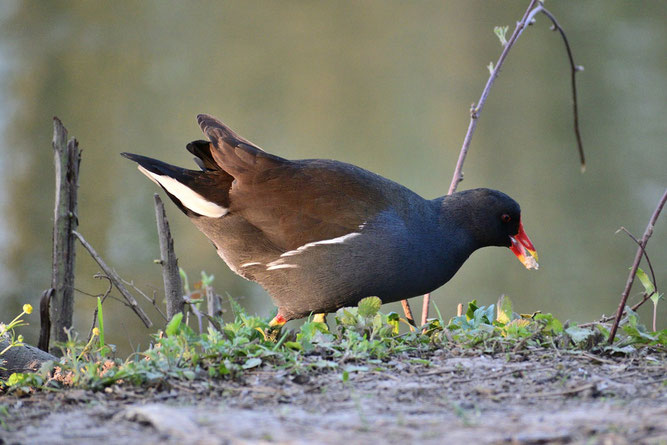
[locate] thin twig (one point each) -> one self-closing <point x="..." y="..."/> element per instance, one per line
<point x="113" y="297"/>
<point x="648" y="260"/>
<point x="197" y="312"/>
<point x="425" y="305"/>
<point x="103" y="297"/>
<point x="655" y="284"/>
<point x="153" y="300"/>
<point x="645" y="298"/>
<point x="476" y="110"/>
<point x="574" y="69"/>
<point x="635" y="265"/>
<point x="113" y="276"/>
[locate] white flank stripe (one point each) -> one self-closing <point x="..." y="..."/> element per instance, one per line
<point x="337" y="240"/>
<point x="282" y="266"/>
<point x="188" y="197"/>
<point x="255" y="263"/>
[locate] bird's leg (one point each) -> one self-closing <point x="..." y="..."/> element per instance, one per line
<point x="275" y="326"/>
<point x="408" y="312"/>
<point x="321" y="318"/>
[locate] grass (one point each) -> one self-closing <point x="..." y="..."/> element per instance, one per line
<point x="361" y="339"/>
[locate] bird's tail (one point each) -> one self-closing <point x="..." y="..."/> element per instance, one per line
<point x="196" y="193"/>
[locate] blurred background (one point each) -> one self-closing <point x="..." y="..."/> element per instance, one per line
<point x="386" y="85"/>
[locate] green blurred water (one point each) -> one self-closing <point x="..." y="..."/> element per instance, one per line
<point x="384" y="85"/>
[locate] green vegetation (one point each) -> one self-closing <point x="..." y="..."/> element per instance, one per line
<point x="7" y="331"/>
<point x="361" y="339"/>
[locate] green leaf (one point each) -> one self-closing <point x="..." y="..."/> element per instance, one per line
<point x="501" y="32"/>
<point x="100" y="321"/>
<point x="393" y="319"/>
<point x="579" y="335"/>
<point x="470" y="312"/>
<point x="646" y="281"/>
<point x="174" y="324"/>
<point x="15" y="378"/>
<point x="369" y="306"/>
<point x="655" y="298"/>
<point x="551" y="324"/>
<point x="184" y="280"/>
<point x="206" y="280"/>
<point x="504" y="310"/>
<point x="345" y="376"/>
<point x="294" y="345"/>
<point x="629" y="349"/>
<point x="483" y="315"/>
<point x="347" y="316"/>
<point x="252" y="363"/>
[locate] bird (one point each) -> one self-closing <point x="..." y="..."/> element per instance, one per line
<point x="321" y="234"/>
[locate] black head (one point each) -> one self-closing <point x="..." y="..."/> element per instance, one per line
<point x="491" y="218"/>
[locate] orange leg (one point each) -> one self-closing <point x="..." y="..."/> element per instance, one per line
<point x="277" y="322"/>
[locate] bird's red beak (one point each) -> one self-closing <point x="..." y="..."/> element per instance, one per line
<point x="522" y="244"/>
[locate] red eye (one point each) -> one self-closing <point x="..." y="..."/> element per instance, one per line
<point x="506" y="218"/>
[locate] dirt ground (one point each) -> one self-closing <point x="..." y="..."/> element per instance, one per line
<point x="534" y="397"/>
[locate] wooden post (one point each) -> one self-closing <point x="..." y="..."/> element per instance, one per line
<point x="67" y="158"/>
<point x="213" y="302"/>
<point x="173" y="288"/>
<point x="45" y="320"/>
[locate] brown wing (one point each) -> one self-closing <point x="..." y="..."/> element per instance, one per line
<point x="295" y="202"/>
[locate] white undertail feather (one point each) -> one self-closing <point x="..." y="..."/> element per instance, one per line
<point x="188" y="197"/>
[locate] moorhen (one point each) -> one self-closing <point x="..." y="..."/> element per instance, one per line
<point x="321" y="234"/>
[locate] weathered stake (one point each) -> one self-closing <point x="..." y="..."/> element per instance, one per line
<point x="45" y="320"/>
<point x="213" y="303"/>
<point x="67" y="158"/>
<point x="173" y="288"/>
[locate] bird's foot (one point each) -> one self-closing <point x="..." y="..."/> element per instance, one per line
<point x="274" y="329"/>
<point x="321" y="318"/>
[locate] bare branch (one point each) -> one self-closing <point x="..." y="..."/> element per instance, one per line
<point x="648" y="260"/>
<point x="113" y="276"/>
<point x="535" y="7"/>
<point x="103" y="297"/>
<point x="574" y="69"/>
<point x="635" y="265"/>
<point x="153" y="300"/>
<point x="476" y="110"/>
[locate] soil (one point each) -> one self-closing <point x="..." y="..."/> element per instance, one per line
<point x="461" y="397"/>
